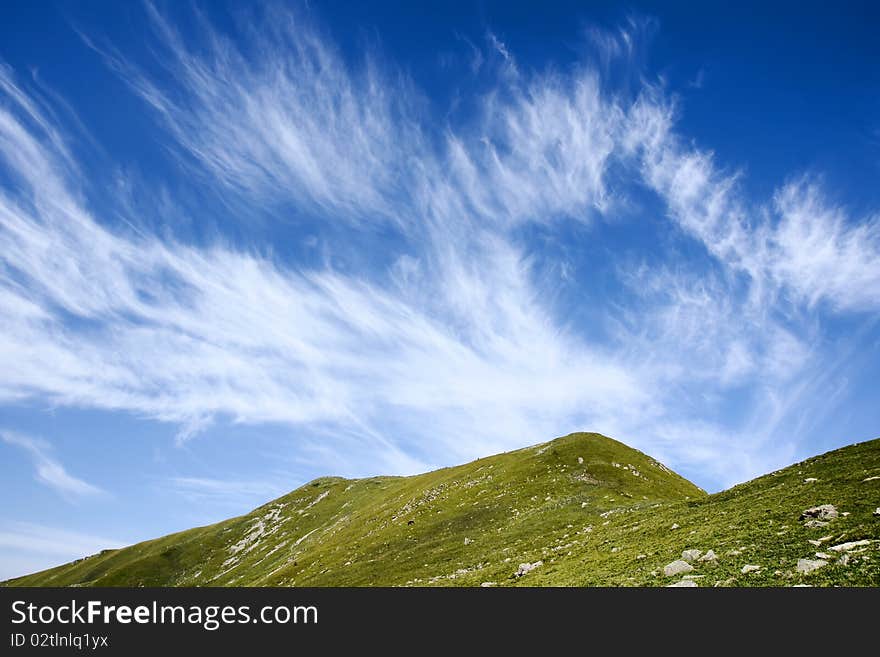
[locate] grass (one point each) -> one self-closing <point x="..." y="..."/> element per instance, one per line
<point x="594" y="512"/>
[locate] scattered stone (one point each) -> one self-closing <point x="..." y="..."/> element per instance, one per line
<point x="486" y="585"/>
<point x="810" y="480"/>
<point x="749" y="568"/>
<point x="809" y="565"/>
<point x="814" y="542"/>
<point x="580" y="460"/>
<point x="843" y="559"/>
<point x="641" y="556"/>
<point x="674" y="525"/>
<point x="583" y="505"/>
<point x="801" y="586"/>
<point x="823" y="555"/>
<point x="677" y="567"/>
<point x="693" y="577"/>
<point x="709" y="557"/>
<point x="467" y="541"/>
<point x="871" y="478"/>
<point x="691" y="555"/>
<point x="852" y="545"/>
<point x="683" y="584"/>
<point x="615" y="549"/>
<point x="526" y="568"/>
<point x="815" y="523"/>
<point x="877" y="511"/>
<point x="821" y="512"/>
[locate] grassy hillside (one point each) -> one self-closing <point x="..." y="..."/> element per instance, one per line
<point x="591" y="510"/>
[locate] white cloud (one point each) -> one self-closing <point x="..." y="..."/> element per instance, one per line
<point x="26" y="547"/>
<point x="797" y="244"/>
<point x="287" y="122"/>
<point x="48" y="470"/>
<point x="450" y="352"/>
<point x="226" y="492"/>
<point x="821" y="254"/>
<point x="184" y="334"/>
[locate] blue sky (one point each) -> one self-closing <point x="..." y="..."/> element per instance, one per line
<point x="245" y="245"/>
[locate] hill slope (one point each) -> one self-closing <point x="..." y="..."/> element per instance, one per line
<point x="590" y="509"/>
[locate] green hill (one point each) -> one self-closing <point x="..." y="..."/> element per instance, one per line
<point x="579" y="510"/>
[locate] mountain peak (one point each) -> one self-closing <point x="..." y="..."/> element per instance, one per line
<point x="578" y="510"/>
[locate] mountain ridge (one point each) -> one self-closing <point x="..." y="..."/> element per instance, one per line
<point x="582" y="509"/>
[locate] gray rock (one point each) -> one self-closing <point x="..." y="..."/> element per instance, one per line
<point x="486" y="585"/>
<point x="821" y="512"/>
<point x="749" y="568"/>
<point x="709" y="557"/>
<point x="815" y="523"/>
<point x="674" y="525"/>
<point x="683" y="584"/>
<point x="852" y="545"/>
<point x="527" y="567"/>
<point x="691" y="555"/>
<point x="809" y="565"/>
<point x="641" y="556"/>
<point x="676" y="568"/>
<point x="877" y="511"/>
<point x="810" y="480"/>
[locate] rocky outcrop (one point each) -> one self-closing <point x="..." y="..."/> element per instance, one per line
<point x="809" y="565"/>
<point x="676" y="568"/>
<point x="527" y="568"/>
<point x="821" y="512"/>
<point x="691" y="555"/>
<point x="709" y="557"/>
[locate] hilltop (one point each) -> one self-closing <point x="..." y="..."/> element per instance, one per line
<point x="581" y="510"/>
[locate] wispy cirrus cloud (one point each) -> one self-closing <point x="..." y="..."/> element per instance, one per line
<point x="47" y="469"/>
<point x="456" y="334"/>
<point x="226" y="492"/>
<point x="448" y="348"/>
<point x="28" y="547"/>
<point x="798" y="243"/>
